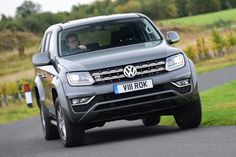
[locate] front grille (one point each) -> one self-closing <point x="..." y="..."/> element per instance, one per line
<point x="115" y="74"/>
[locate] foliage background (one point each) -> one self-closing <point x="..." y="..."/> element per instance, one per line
<point x="29" y="18"/>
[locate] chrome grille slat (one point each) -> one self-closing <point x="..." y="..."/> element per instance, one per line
<point x="116" y="73"/>
<point x="149" y="65"/>
<point x="107" y="72"/>
<point x="110" y="78"/>
<point x="150" y="71"/>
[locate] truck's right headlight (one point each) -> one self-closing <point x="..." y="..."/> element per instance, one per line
<point x="80" y="78"/>
<point x="175" y="62"/>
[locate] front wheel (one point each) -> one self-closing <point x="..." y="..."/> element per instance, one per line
<point x="189" y="116"/>
<point x="49" y="130"/>
<point x="70" y="134"/>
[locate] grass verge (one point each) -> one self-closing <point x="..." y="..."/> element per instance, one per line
<point x="216" y="63"/>
<point x="218" y="106"/>
<point x="16" y="112"/>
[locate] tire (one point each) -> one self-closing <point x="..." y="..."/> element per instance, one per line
<point x="49" y="130"/>
<point x="151" y="120"/>
<point x="70" y="134"/>
<point x="190" y="116"/>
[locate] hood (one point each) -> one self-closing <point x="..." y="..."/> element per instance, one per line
<point x="118" y="56"/>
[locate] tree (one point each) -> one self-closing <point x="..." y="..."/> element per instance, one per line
<point x="104" y="7"/>
<point x="160" y="9"/>
<point x="130" y="6"/>
<point x="203" y="6"/>
<point x="182" y="7"/>
<point x="3" y="17"/>
<point x="228" y="4"/>
<point x="38" y="23"/>
<point x="10" y="24"/>
<point x="81" y="11"/>
<point x="27" y="8"/>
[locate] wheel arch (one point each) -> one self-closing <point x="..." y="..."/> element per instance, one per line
<point x="194" y="75"/>
<point x="54" y="95"/>
<point x="39" y="91"/>
<point x="37" y="95"/>
<point x="58" y="92"/>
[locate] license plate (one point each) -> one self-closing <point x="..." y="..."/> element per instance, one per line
<point x="133" y="86"/>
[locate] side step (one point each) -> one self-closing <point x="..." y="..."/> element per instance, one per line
<point x="53" y="122"/>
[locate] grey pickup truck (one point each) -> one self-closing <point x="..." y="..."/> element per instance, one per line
<point x="106" y="68"/>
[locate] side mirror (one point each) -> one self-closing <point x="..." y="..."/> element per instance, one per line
<point x="172" y="37"/>
<point x="40" y="59"/>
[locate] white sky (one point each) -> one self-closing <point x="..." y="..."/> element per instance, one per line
<point x="8" y="7"/>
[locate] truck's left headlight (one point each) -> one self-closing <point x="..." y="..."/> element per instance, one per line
<point x="175" y="62"/>
<point x="80" y="78"/>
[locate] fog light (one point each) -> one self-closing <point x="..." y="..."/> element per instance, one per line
<point x="81" y="101"/>
<point x="182" y="83"/>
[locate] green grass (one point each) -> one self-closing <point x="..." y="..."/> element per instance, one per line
<point x="218" y="106"/>
<point x="216" y="63"/>
<point x="216" y="18"/>
<point x="16" y="112"/>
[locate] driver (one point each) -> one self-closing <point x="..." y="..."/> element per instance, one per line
<point x="72" y="41"/>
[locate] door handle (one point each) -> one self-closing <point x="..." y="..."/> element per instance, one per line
<point x="42" y="76"/>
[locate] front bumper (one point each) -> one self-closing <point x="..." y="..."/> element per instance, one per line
<point x="163" y="98"/>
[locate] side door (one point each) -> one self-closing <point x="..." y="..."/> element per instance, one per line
<point x="47" y="74"/>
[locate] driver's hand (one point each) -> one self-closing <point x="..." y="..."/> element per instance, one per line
<point x="82" y="47"/>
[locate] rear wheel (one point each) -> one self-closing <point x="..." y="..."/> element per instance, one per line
<point x="151" y="120"/>
<point x="189" y="116"/>
<point x="49" y="130"/>
<point x="70" y="134"/>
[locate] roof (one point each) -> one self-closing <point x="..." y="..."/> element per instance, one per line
<point x="97" y="19"/>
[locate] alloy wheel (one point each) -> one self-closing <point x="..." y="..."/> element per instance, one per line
<point x="61" y="123"/>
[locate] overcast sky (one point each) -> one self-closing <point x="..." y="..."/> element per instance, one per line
<point x="8" y="7"/>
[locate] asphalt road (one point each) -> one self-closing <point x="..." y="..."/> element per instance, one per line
<point x="127" y="139"/>
<point x="212" y="79"/>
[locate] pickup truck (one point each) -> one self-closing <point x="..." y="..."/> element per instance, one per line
<point x="118" y="67"/>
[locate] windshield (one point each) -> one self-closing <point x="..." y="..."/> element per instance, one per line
<point x="104" y="35"/>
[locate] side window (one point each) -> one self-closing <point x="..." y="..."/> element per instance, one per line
<point x="52" y="46"/>
<point x="41" y="47"/>
<point x="47" y="42"/>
